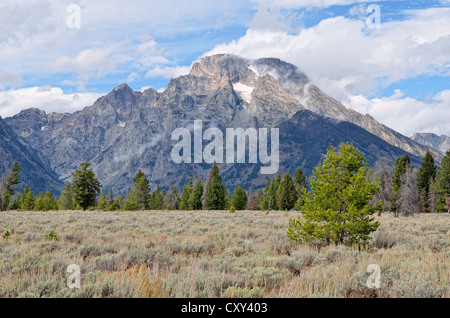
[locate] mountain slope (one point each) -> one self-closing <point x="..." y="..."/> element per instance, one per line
<point x="125" y="131"/>
<point x="438" y="143"/>
<point x="35" y="171"/>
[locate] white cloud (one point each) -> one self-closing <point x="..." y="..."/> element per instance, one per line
<point x="96" y="61"/>
<point x="344" y="58"/>
<point x="407" y="115"/>
<point x="310" y="3"/>
<point x="132" y="77"/>
<point x="50" y="99"/>
<point x="169" y="71"/>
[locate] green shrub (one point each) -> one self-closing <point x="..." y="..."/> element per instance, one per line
<point x="52" y="236"/>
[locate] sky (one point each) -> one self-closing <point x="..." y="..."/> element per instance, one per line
<point x="389" y="59"/>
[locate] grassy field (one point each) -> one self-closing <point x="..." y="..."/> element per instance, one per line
<point x="213" y="254"/>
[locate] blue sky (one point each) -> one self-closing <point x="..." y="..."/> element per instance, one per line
<point x="399" y="73"/>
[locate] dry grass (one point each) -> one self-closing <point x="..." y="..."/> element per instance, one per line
<point x="213" y="254"/>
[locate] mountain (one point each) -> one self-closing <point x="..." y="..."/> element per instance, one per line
<point x="36" y="172"/>
<point x="125" y="131"/>
<point x="438" y="143"/>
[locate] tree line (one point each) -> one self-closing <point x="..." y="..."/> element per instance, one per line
<point x="401" y="190"/>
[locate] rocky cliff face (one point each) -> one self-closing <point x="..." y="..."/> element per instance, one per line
<point x="35" y="169"/>
<point x="125" y="131"/>
<point x="438" y="143"/>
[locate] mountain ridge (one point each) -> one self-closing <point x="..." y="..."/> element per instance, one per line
<point x="125" y="130"/>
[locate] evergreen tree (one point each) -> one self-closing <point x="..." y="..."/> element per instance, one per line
<point x="13" y="178"/>
<point x="229" y="200"/>
<point x="103" y="202"/>
<point x="240" y="199"/>
<point x="426" y="175"/>
<point x="301" y="186"/>
<point x="270" y="193"/>
<point x="185" y="201"/>
<point x="86" y="187"/>
<point x="130" y="202"/>
<point x="39" y="206"/>
<point x="118" y="204"/>
<point x="7" y="186"/>
<point x="338" y="209"/>
<point x="196" y="197"/>
<point x="300" y="181"/>
<point x="29" y="200"/>
<point x="141" y="190"/>
<point x="287" y="194"/>
<point x="156" y="201"/>
<point x="400" y="167"/>
<point x="66" y="200"/>
<point x="17" y="202"/>
<point x="264" y="199"/>
<point x="49" y="202"/>
<point x="214" y="193"/>
<point x="442" y="185"/>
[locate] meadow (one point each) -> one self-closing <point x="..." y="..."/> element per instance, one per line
<point x="214" y="254"/>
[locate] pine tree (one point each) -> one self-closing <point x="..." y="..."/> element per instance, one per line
<point x="185" y="200"/>
<point x="338" y="209"/>
<point x="13" y="178"/>
<point x="214" y="193"/>
<point x="17" y="202"/>
<point x="426" y="175"/>
<point x="39" y="206"/>
<point x="196" y="197"/>
<point x="240" y="199"/>
<point x="7" y="186"/>
<point x="229" y="201"/>
<point x="141" y="190"/>
<point x="400" y="167"/>
<point x="130" y="202"/>
<point x="270" y="193"/>
<point x="301" y="186"/>
<point x="118" y="204"/>
<point x="29" y="200"/>
<point x="287" y="194"/>
<point x="253" y="202"/>
<point x="156" y="200"/>
<point x="442" y="185"/>
<point x="300" y="181"/>
<point x="49" y="202"/>
<point x="103" y="202"/>
<point x="264" y="199"/>
<point x="66" y="200"/>
<point x="86" y="187"/>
